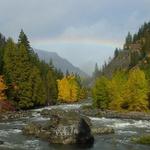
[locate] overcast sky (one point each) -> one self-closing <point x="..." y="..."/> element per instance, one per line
<point x="83" y="31"/>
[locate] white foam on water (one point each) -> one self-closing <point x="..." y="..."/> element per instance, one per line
<point x="29" y="144"/>
<point x="123" y="141"/>
<point x="103" y="119"/>
<point x="12" y="146"/>
<point x="36" y="114"/>
<point x="141" y="124"/>
<point x="121" y="123"/>
<point x="3" y="133"/>
<point x="5" y="123"/>
<point x="14" y="131"/>
<point x="126" y="132"/>
<point x="32" y="144"/>
<point x="40" y="118"/>
<point x="63" y="106"/>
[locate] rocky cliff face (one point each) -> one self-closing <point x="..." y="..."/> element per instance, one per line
<point x="122" y="61"/>
<point x="136" y="52"/>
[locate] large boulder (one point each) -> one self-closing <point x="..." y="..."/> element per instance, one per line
<point x="65" y="128"/>
<point x="1" y="142"/>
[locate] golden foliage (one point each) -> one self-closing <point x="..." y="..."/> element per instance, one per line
<point x="123" y="92"/>
<point x="3" y="87"/>
<point x="68" y="89"/>
<point x="137" y="91"/>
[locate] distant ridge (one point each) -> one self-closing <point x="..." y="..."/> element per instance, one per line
<point x="59" y="62"/>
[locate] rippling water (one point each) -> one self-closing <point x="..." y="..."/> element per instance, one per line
<point x="11" y="134"/>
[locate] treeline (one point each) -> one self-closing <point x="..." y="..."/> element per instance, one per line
<point x="128" y="86"/>
<point x="124" y="91"/>
<point x="27" y="82"/>
<point x="30" y="82"/>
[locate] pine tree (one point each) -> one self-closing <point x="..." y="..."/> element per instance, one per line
<point x="2" y="46"/>
<point x="67" y="73"/>
<point x="24" y="40"/>
<point x="116" y="52"/>
<point x="58" y="73"/>
<point x="38" y="90"/>
<point x="51" y="88"/>
<point x="17" y="72"/>
<point x="96" y="71"/>
<point x="100" y="93"/>
<point x="128" y="41"/>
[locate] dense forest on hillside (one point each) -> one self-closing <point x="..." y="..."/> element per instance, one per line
<point x="25" y="80"/>
<point x="124" y="82"/>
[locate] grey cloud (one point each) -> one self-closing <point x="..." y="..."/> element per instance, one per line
<point x="48" y="18"/>
<point x="102" y="19"/>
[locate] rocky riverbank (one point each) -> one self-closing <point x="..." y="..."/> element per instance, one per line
<point x="69" y="126"/>
<point x="61" y="124"/>
<point x="93" y="112"/>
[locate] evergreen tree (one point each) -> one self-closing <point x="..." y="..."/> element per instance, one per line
<point x="67" y="73"/>
<point x="37" y="87"/>
<point x="17" y="72"/>
<point x="96" y="71"/>
<point x="2" y="46"/>
<point x="33" y="57"/>
<point x="116" y="52"/>
<point x="100" y="93"/>
<point x="51" y="88"/>
<point x="128" y="40"/>
<point x="58" y="73"/>
<point x="24" y="40"/>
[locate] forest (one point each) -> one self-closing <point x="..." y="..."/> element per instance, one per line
<point x="127" y="85"/>
<point x="28" y="82"/>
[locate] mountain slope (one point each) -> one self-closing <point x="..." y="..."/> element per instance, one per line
<point x="59" y="62"/>
<point x="136" y="52"/>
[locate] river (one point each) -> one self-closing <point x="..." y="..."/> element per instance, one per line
<point x="11" y="134"/>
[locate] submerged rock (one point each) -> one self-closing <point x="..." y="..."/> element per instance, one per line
<point x="15" y="115"/>
<point x="1" y="142"/>
<point x="102" y="130"/>
<point x="144" y="139"/>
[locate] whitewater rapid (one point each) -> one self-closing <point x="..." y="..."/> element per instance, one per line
<point x="11" y="133"/>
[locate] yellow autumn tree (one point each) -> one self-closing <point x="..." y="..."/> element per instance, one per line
<point x="137" y="90"/>
<point x="116" y="88"/>
<point x="3" y="87"/>
<point x="68" y="89"/>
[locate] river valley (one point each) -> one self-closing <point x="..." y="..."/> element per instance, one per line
<point x="13" y="139"/>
